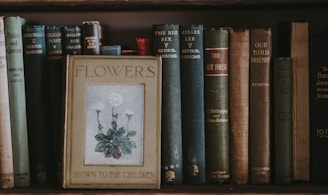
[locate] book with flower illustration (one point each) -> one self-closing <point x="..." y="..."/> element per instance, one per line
<point x="112" y="122"/>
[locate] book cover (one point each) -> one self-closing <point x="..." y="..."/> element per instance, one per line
<point x="91" y="38"/>
<point x="166" y="44"/>
<point x="112" y="122"/>
<point x="72" y="40"/>
<point x="16" y="84"/>
<point x="38" y="128"/>
<point x="239" y="104"/>
<point x="6" y="150"/>
<point x="318" y="108"/>
<point x="54" y="50"/>
<point x="192" y="103"/>
<point x="299" y="53"/>
<point x="282" y="120"/>
<point x="259" y="105"/>
<point x="216" y="79"/>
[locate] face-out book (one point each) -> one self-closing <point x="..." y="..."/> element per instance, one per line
<point x="112" y="119"/>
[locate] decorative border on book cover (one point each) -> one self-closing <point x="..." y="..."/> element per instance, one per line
<point x="112" y="122"/>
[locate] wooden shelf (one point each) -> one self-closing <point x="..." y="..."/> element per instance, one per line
<point x="307" y="189"/>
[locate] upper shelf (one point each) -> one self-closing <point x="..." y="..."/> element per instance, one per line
<point x="79" y="5"/>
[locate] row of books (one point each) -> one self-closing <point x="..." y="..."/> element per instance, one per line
<point x="217" y="121"/>
<point x="232" y="112"/>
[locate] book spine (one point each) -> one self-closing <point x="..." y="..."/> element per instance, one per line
<point x="239" y="104"/>
<point x="34" y="49"/>
<point x="260" y="58"/>
<point x="166" y="44"/>
<point x="318" y="109"/>
<point x="16" y="84"/>
<point x="301" y="127"/>
<point x="72" y="40"/>
<point x="283" y="127"/>
<point x="6" y="150"/>
<point x="192" y="104"/>
<point x="53" y="41"/>
<point x="91" y="38"/>
<point x="216" y="45"/>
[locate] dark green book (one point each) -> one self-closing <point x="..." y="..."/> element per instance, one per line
<point x="192" y="103"/>
<point x="166" y="44"/>
<point x="283" y="120"/>
<point x="72" y="40"/>
<point x="318" y="109"/>
<point x="216" y="45"/>
<point x="38" y="127"/>
<point x="54" y="49"/>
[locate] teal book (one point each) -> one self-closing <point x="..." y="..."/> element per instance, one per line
<point x="283" y="120"/>
<point x="16" y="84"/>
<point x="6" y="150"/>
<point x="54" y="49"/>
<point x="318" y="109"/>
<point x="192" y="103"/>
<point x="216" y="96"/>
<point x="38" y="128"/>
<point x="166" y="44"/>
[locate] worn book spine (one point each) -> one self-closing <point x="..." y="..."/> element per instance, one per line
<point x="91" y="38"/>
<point x="216" y="45"/>
<point x="16" y="84"/>
<point x="301" y="128"/>
<point x="6" y="150"/>
<point x="38" y="127"/>
<point x="192" y="104"/>
<point x="72" y="40"/>
<point x="166" y="44"/>
<point x="259" y="127"/>
<point x="318" y="109"/>
<point x="283" y="122"/>
<point x="54" y="50"/>
<point x="239" y="104"/>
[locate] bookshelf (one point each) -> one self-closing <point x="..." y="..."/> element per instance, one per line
<point x="124" y="20"/>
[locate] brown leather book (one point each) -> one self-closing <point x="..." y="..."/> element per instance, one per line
<point x="259" y="132"/>
<point x="239" y="104"/>
<point x="301" y="125"/>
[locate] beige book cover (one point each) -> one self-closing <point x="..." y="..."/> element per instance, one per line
<point x="112" y="122"/>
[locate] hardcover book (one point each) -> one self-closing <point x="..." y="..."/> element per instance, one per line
<point x="216" y="54"/>
<point x="35" y="69"/>
<point x="166" y="43"/>
<point x="91" y="38"/>
<point x="112" y="122"/>
<point x="6" y="150"/>
<point x="16" y="84"/>
<point x="299" y="53"/>
<point x="239" y="104"/>
<point x="259" y="105"/>
<point x="72" y="40"/>
<point x="192" y="103"/>
<point x="282" y="119"/>
<point x="318" y="109"/>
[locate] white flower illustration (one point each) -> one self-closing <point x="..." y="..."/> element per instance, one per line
<point x="98" y="106"/>
<point x="115" y="99"/>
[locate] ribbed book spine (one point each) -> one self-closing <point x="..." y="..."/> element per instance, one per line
<point x="91" y="38"/>
<point x="38" y="127"/>
<point x="318" y="109"/>
<point x="192" y="96"/>
<point x="216" y="45"/>
<point x="53" y="37"/>
<point x="72" y="40"/>
<point x="166" y="44"/>
<point x="299" y="53"/>
<point x="16" y="84"/>
<point x="259" y="129"/>
<point x="6" y="150"/>
<point x="239" y="104"/>
<point x="283" y="120"/>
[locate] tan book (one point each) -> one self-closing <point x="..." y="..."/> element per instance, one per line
<point x="301" y="125"/>
<point x="6" y="150"/>
<point x="112" y="122"/>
